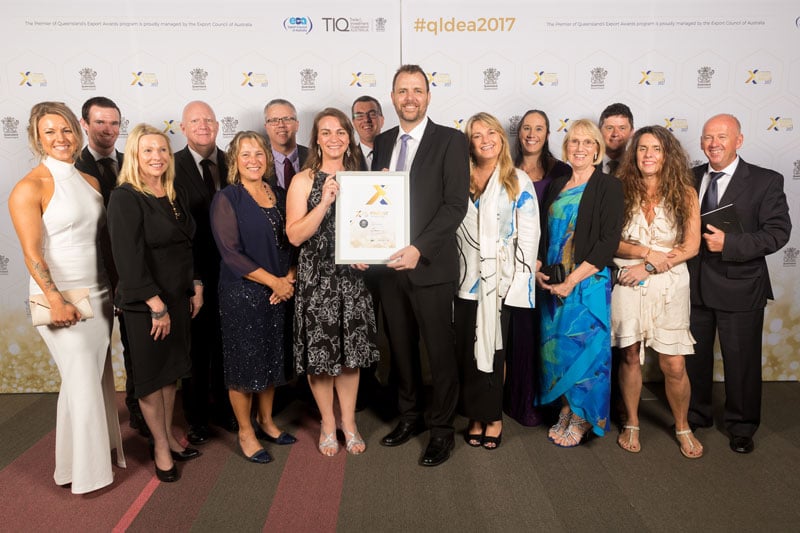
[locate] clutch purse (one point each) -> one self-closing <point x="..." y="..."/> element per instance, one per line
<point x="40" y="307"/>
<point x="554" y="272"/>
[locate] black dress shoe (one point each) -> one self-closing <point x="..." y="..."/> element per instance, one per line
<point x="168" y="476"/>
<point x="198" y="434"/>
<point x="402" y="433"/>
<point x="186" y="455"/>
<point x="742" y="444"/>
<point x="437" y="452"/>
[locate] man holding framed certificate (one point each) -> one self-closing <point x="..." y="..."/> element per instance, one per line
<point x="419" y="284"/>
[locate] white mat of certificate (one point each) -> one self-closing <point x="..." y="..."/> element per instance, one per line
<point x="372" y="216"/>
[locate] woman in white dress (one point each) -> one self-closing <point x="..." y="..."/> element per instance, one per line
<point x="650" y="303"/>
<point x="58" y="215"/>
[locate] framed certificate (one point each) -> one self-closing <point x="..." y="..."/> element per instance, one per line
<point x="372" y="216"/>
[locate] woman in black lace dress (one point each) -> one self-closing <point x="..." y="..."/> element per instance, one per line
<point x="334" y="325"/>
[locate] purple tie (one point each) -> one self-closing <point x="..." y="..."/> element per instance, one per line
<point x="401" y="158"/>
<point x="710" y="199"/>
<point x="288" y="173"/>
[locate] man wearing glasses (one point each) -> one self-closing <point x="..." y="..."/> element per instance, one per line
<point x="280" y="121"/>
<point x="368" y="121"/>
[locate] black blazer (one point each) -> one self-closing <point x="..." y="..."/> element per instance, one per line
<point x="439" y="188"/>
<point x="189" y="181"/>
<point x="152" y="250"/>
<point x="86" y="163"/>
<point x="738" y="279"/>
<point x="598" y="228"/>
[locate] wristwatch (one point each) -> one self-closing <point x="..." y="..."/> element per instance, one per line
<point x="649" y="267"/>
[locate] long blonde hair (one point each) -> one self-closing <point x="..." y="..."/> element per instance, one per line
<point x="130" y="172"/>
<point x="506" y="172"/>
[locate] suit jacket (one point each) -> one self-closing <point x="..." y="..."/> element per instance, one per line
<point x="439" y="185"/>
<point x="86" y="163"/>
<point x="738" y="279"/>
<point x="189" y="180"/>
<point x="302" y="156"/>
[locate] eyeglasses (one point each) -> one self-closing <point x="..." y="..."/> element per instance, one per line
<point x="280" y="120"/>
<point x="372" y="115"/>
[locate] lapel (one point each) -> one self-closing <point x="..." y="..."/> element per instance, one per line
<point x="186" y="167"/>
<point x="386" y="142"/>
<point x="426" y="144"/>
<point x="154" y="204"/>
<point x="737" y="185"/>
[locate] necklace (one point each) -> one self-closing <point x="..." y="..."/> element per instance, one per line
<point x="175" y="211"/>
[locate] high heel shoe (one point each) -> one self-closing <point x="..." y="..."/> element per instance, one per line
<point x="186" y="455"/>
<point x="353" y="440"/>
<point x="558" y="429"/>
<point x="168" y="476"/>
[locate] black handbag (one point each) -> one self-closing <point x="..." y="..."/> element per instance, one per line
<point x="555" y="273"/>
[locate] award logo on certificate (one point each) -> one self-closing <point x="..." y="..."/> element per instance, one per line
<point x="372" y="216"/>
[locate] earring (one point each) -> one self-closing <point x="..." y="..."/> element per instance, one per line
<point x="347" y="153"/>
<point x="319" y="152"/>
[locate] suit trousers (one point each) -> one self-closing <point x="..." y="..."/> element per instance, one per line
<point x="410" y="312"/>
<point x="740" y="342"/>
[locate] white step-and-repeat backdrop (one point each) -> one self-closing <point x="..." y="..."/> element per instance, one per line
<point x="674" y="64"/>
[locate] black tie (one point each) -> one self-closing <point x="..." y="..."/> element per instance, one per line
<point x="208" y="178"/>
<point x="288" y="173"/>
<point x="108" y="168"/>
<point x="710" y="200"/>
<point x="613" y="164"/>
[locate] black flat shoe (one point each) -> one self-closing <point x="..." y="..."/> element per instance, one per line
<point x="282" y="439"/>
<point x="198" y="435"/>
<point x="168" y="476"/>
<point x="402" y="433"/>
<point x="186" y="455"/>
<point x="437" y="452"/>
<point x="260" y="457"/>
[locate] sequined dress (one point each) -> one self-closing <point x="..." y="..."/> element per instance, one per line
<point x="334" y="324"/>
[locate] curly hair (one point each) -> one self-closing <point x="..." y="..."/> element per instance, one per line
<point x="675" y="181"/>
<point x="351" y="160"/>
<point x="507" y="172"/>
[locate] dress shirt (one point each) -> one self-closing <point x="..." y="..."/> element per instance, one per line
<point x="722" y="182"/>
<point x="411" y="146"/>
<point x="279" y="158"/>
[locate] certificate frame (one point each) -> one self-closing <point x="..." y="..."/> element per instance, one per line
<point x="373" y="216"/>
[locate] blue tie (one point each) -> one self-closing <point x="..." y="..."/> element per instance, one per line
<point x="710" y="200"/>
<point x="401" y="158"/>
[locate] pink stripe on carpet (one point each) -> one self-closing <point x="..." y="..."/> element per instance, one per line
<point x="310" y="488"/>
<point x="133" y="511"/>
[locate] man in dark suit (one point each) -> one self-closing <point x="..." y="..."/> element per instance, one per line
<point x="418" y="286"/>
<point x="280" y="121"/>
<point x="616" y="125"/>
<point x="368" y="122"/>
<point x="730" y="282"/>
<point x="100" y="118"/>
<point x="200" y="171"/>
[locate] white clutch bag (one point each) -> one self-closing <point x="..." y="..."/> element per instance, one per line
<point x="40" y="307"/>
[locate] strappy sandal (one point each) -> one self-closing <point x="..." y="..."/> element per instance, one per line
<point x="690" y="438"/>
<point x="576" y="432"/>
<point x="629" y="446"/>
<point x="354" y="440"/>
<point x="558" y="429"/>
<point x="328" y="444"/>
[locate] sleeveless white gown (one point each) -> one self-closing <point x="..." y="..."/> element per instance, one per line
<point x="87" y="426"/>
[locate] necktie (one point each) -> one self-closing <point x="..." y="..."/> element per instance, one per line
<point x="108" y="168"/>
<point x="288" y="173"/>
<point x="710" y="199"/>
<point x="401" y="157"/>
<point x="208" y="178"/>
<point x="613" y="164"/>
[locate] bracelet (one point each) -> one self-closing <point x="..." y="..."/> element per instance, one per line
<point x="159" y="314"/>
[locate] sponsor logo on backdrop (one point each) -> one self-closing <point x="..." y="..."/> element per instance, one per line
<point x="33" y="79"/>
<point x="490" y="77"/>
<point x="598" y="78"/>
<point x="3" y="265"/>
<point x="796" y="171"/>
<point x="651" y="77"/>
<point x="308" y="79"/>
<point x="10" y="128"/>
<point x="380" y="24"/>
<point x="513" y="125"/>
<point x="346" y="24"/>
<point x="545" y="79"/>
<point x="254" y="79"/>
<point x="199" y="77"/>
<point x="459" y="124"/>
<point x="144" y="79"/>
<point x="298" y="24"/>
<point x="123" y="126"/>
<point x="676" y="124"/>
<point x="704" y="75"/>
<point x="229" y="126"/>
<point x="439" y="79"/>
<point x="780" y="124"/>
<point x="88" y="77"/>
<point x="790" y="256"/>
<point x="363" y="79"/>
<point x="563" y="124"/>
<point x="759" y="77"/>
<point x="169" y="126"/>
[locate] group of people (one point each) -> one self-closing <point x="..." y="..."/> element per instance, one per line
<point x="520" y="276"/>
